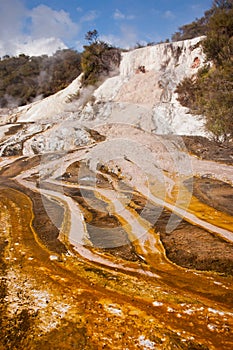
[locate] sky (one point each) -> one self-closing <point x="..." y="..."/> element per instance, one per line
<point x="36" y="27"/>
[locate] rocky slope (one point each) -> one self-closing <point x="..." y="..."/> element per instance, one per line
<point x="112" y="236"/>
<point x="142" y="93"/>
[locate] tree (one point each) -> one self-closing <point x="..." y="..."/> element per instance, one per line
<point x="218" y="45"/>
<point x="23" y="78"/>
<point x="223" y="4"/>
<point x="210" y="93"/>
<point x="98" y="59"/>
<point x="92" y="36"/>
<point x="199" y="26"/>
<point x="214" y="100"/>
<point x="192" y="30"/>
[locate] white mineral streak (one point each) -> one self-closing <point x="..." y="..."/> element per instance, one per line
<point x="141" y="95"/>
<point x="147" y="100"/>
<point x="51" y="107"/>
<point x="152" y="94"/>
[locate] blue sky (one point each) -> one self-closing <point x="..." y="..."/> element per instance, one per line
<point x="25" y="24"/>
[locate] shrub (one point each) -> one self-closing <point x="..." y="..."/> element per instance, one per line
<point x="23" y="78"/>
<point x="210" y="93"/>
<point x="98" y="59"/>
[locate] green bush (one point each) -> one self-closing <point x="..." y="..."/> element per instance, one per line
<point x="210" y="93"/>
<point x="218" y="45"/>
<point x="23" y="78"/>
<point x="200" y="26"/>
<point x="98" y="59"/>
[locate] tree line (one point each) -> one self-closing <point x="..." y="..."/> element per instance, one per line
<point x="210" y="92"/>
<point x="25" y="78"/>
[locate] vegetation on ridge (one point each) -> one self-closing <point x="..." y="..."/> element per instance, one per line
<point x="199" y="27"/>
<point x="98" y="59"/>
<point x="210" y="93"/>
<point x="24" y="78"/>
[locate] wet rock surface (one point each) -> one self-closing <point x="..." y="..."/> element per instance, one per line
<point x="215" y="193"/>
<point x="209" y="150"/>
<point x="188" y="245"/>
<point x="111" y="235"/>
<point x="162" y="290"/>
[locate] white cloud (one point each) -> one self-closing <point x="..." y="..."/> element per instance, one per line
<point x="46" y="22"/>
<point x="90" y="16"/>
<point x="169" y="14"/>
<point x="46" y="29"/>
<point x="118" y="15"/>
<point x="41" y="46"/>
<point x="31" y="47"/>
<point x="12" y="14"/>
<point x="126" y="39"/>
<point x="196" y="7"/>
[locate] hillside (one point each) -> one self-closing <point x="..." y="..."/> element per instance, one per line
<point x="115" y="213"/>
<point x="24" y="79"/>
<point x="116" y="187"/>
<point x="142" y="93"/>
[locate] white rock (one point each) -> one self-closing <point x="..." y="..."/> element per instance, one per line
<point x="53" y="257"/>
<point x="146" y="100"/>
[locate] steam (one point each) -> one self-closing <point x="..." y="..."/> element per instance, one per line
<point x="81" y="98"/>
<point x="9" y="101"/>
